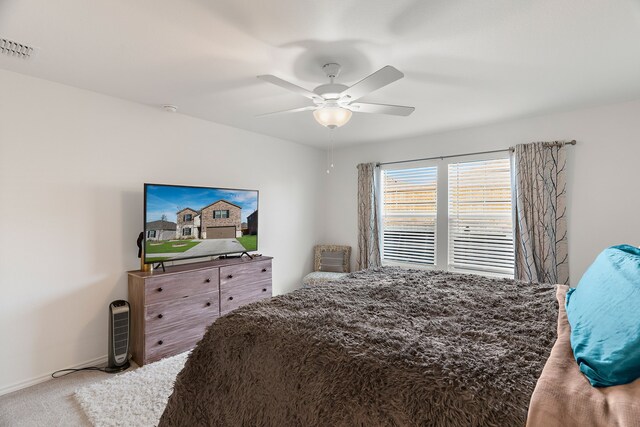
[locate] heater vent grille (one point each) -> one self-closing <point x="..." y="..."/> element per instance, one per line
<point x="121" y="332"/>
<point x="18" y="50"/>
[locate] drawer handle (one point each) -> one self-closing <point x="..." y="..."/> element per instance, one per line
<point x="230" y="276"/>
<point x="208" y="280"/>
<point x="208" y="304"/>
<point x="159" y="316"/>
<point x="264" y="270"/>
<point x="264" y="289"/>
<point x="159" y="289"/>
<point x="160" y="342"/>
<point x="230" y="298"/>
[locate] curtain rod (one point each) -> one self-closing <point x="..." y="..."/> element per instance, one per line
<point x="572" y="142"/>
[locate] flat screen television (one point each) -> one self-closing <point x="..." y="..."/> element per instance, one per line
<point x="183" y="222"/>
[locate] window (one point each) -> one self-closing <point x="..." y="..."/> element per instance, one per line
<point x="480" y="217"/>
<point x="221" y="214"/>
<point x="409" y="215"/>
<point x="473" y="219"/>
<point x="188" y="217"/>
<point x="151" y="233"/>
<point x="186" y="231"/>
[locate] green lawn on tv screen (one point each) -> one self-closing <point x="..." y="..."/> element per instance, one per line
<point x="249" y="242"/>
<point x="169" y="246"/>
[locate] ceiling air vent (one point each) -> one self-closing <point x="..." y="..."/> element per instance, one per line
<point x="19" y="50"/>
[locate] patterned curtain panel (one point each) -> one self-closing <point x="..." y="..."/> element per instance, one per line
<point x="541" y="253"/>
<point x="368" y="237"/>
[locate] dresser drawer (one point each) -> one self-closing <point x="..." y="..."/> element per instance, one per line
<point x="172" y="286"/>
<point x="241" y="274"/>
<point x="182" y="311"/>
<point x="174" y="339"/>
<point x="232" y="297"/>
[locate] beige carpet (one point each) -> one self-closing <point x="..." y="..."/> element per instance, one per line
<point x="86" y="398"/>
<point x="49" y="404"/>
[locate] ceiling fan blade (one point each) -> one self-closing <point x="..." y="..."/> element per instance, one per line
<point x="294" y="110"/>
<point x="289" y="86"/>
<point x="396" y="110"/>
<point x="375" y="81"/>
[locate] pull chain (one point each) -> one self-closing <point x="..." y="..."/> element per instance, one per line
<point x="328" y="161"/>
<point x="332" y="144"/>
<point x="330" y="152"/>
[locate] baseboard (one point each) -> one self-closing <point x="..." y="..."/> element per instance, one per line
<point x="33" y="381"/>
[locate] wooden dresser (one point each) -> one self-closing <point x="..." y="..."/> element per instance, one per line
<point x="171" y="310"/>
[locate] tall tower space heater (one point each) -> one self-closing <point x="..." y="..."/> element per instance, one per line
<point x="119" y="333"/>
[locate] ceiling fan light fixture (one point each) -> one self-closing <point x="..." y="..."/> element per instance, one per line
<point x="332" y="117"/>
<point x="334" y="102"/>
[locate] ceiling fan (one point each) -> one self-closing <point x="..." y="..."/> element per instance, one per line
<point x="335" y="102"/>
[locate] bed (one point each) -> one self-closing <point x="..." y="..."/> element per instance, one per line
<point x="385" y="346"/>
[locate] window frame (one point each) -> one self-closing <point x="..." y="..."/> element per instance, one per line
<point x="184" y="231"/>
<point x="225" y="211"/>
<point x="442" y="209"/>
<point x="189" y="219"/>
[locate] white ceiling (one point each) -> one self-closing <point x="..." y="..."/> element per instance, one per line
<point x="465" y="62"/>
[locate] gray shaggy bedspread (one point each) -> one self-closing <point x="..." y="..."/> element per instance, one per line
<point x="381" y="347"/>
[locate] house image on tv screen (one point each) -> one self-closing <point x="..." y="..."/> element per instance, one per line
<point x="219" y="220"/>
<point x="161" y="230"/>
<point x="252" y="224"/>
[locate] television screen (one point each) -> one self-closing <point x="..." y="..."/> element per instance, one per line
<point x="191" y="222"/>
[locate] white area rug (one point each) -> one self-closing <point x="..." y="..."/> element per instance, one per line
<point x="135" y="398"/>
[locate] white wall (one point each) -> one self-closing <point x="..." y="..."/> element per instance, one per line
<point x="72" y="166"/>
<point x="603" y="186"/>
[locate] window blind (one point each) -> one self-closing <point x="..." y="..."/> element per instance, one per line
<point x="409" y="215"/>
<point x="480" y="217"/>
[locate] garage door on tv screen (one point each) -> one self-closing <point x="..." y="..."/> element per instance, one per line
<point x="191" y="222"/>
